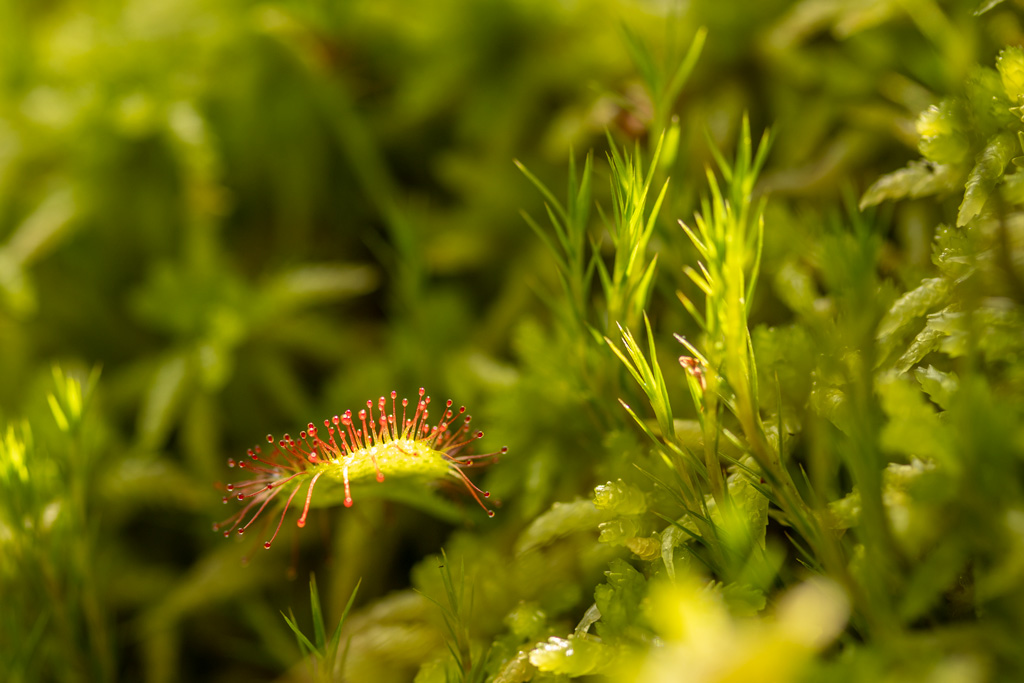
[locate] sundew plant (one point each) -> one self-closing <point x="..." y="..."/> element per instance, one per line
<point x="734" y="293"/>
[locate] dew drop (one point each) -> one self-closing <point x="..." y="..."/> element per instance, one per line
<point x="380" y="476"/>
<point x="267" y="545"/>
<point x="240" y="496"/>
<point x="301" y="523"/>
<point x="490" y="513"/>
<point x="270" y="438"/>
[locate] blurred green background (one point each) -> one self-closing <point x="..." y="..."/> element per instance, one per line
<point x="249" y="215"/>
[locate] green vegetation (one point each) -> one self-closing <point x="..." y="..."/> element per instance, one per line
<point x="739" y="285"/>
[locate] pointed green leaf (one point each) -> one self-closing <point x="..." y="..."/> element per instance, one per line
<point x="985" y="175"/>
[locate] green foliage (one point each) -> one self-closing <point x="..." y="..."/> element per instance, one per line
<point x="326" y="659"/>
<point x="455" y="610"/>
<point x="58" y="623"/>
<point x="252" y="215"/>
<point x="967" y="141"/>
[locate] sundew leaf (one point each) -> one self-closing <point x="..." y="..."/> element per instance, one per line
<point x="985" y="176"/>
<point x="390" y="449"/>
